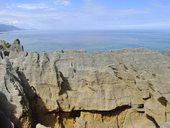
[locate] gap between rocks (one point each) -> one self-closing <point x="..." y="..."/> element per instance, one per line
<point x="61" y="114"/>
<point x="40" y="114"/>
<point x="36" y="105"/>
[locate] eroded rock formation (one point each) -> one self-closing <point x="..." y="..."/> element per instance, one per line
<point x="128" y="88"/>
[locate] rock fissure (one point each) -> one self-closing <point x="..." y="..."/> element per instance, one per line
<point x="6" y="85"/>
<point x="76" y="89"/>
<point x="75" y="114"/>
<point x="153" y="120"/>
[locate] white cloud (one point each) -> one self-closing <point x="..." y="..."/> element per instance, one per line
<point x="14" y="22"/>
<point x="38" y="6"/>
<point x="34" y="6"/>
<point x="62" y="2"/>
<point x="89" y="15"/>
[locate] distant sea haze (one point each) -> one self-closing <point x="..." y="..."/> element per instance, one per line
<point x="99" y="40"/>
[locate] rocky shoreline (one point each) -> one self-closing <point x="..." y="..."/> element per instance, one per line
<point x="128" y="88"/>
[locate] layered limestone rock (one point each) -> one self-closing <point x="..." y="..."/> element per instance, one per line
<point x="75" y="89"/>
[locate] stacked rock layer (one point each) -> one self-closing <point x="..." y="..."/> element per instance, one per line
<point x="128" y="88"/>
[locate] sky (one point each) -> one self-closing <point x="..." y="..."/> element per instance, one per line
<point x="86" y="14"/>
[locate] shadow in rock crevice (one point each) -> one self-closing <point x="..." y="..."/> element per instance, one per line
<point x="163" y="101"/>
<point x="73" y="114"/>
<point x="7" y="113"/>
<point x="153" y="120"/>
<point x="36" y="104"/>
<point x="65" y="85"/>
<point x="62" y="81"/>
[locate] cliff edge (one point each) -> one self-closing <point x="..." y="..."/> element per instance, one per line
<point x="128" y="88"/>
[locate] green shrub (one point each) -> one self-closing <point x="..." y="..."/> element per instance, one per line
<point x="6" y="45"/>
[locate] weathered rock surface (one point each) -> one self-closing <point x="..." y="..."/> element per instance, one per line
<point x="128" y="88"/>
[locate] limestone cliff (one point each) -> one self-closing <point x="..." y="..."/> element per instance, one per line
<point x="128" y="88"/>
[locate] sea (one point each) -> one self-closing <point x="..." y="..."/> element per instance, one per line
<point x="89" y="40"/>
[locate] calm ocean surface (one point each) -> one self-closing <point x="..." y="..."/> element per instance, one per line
<point x="35" y="40"/>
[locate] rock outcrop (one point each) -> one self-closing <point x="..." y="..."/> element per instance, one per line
<point x="128" y="88"/>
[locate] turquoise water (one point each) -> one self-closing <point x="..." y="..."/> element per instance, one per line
<point x="35" y="40"/>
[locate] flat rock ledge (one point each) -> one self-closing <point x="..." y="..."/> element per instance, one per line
<point x="128" y="88"/>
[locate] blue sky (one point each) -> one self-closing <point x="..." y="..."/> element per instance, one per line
<point x="86" y="14"/>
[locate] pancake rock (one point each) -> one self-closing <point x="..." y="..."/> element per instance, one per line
<point x="76" y="89"/>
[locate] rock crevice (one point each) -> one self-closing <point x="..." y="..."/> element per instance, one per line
<point x="74" y="89"/>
